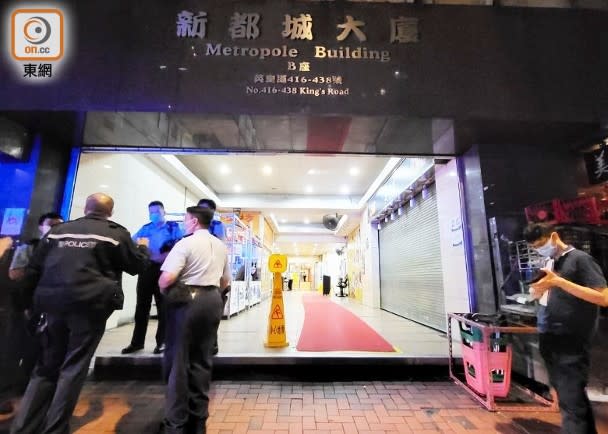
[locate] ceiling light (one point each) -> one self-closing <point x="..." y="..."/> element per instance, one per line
<point x="238" y="188"/>
<point x="107" y="166"/>
<point x="344" y="189"/>
<point x="267" y="170"/>
<point x="306" y="221"/>
<point x="312" y="171"/>
<point x="309" y="189"/>
<point x="354" y="171"/>
<point x="103" y="185"/>
<point x="225" y="170"/>
<point x="283" y="220"/>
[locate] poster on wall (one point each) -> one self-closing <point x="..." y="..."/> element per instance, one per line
<point x="13" y="221"/>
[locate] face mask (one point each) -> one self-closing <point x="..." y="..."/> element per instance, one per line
<point x="547" y="250"/>
<point x="156" y="217"/>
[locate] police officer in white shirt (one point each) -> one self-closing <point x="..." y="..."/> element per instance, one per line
<point x="198" y="267"/>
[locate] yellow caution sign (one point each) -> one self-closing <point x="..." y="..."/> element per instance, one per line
<point x="276" y="337"/>
<point x="277" y="263"/>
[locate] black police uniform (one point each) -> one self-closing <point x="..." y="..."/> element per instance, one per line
<point x="75" y="275"/>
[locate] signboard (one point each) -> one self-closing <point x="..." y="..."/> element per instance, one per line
<point x="597" y="165"/>
<point x="277" y="263"/>
<point x="306" y="69"/>
<point x="287" y="56"/>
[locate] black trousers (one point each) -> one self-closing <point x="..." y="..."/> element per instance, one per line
<point x="147" y="287"/>
<point x="191" y="334"/>
<point x="567" y="359"/>
<point x="20" y="351"/>
<point x="224" y="295"/>
<point x="68" y="344"/>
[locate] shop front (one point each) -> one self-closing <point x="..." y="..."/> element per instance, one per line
<point x="491" y="99"/>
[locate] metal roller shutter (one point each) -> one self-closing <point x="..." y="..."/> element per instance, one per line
<point x="411" y="281"/>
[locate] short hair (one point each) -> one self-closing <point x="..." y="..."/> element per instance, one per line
<point x="203" y="215"/>
<point x="210" y="204"/>
<point x="49" y="215"/>
<point x="536" y="231"/>
<point x="156" y="203"/>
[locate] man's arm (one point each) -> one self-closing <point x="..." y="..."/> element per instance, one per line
<point x="166" y="280"/>
<point x="226" y="276"/>
<point x="597" y="296"/>
<point x="21" y="258"/>
<point x="172" y="267"/>
<point x="219" y="230"/>
<point x="141" y="233"/>
<point x="5" y="245"/>
<point x="134" y="258"/>
<point x="34" y="269"/>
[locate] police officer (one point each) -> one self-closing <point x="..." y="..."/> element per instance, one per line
<point x="198" y="263"/>
<point x="218" y="230"/>
<point x="161" y="235"/>
<point x="24" y="346"/>
<point x="24" y="252"/>
<point x="75" y="275"/>
<point x="216" y="227"/>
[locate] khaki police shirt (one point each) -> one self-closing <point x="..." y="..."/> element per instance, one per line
<point x="200" y="259"/>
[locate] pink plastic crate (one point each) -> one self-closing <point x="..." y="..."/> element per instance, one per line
<point x="498" y="367"/>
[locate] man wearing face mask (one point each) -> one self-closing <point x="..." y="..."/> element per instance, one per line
<point x="192" y="275"/>
<point x="23" y="253"/>
<point x="567" y="317"/>
<point x="24" y="347"/>
<point x="160" y="233"/>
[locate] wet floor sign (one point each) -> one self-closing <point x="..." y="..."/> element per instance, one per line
<point x="276" y="337"/>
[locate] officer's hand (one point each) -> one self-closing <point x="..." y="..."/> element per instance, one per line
<point x="143" y="241"/>
<point x="5" y="245"/>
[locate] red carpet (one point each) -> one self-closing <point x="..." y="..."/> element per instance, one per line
<point x="330" y="327"/>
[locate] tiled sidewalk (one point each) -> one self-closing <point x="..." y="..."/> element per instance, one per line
<point x="271" y="408"/>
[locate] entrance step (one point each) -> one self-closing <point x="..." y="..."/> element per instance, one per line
<point x="316" y="368"/>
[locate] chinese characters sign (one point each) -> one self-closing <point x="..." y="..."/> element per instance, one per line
<point x="247" y="25"/>
<point x="352" y="41"/>
<point x="597" y="164"/>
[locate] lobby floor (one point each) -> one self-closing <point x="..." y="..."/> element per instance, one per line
<point x="258" y="407"/>
<point x="244" y="333"/>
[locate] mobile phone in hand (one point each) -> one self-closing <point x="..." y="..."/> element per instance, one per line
<point x="538" y="276"/>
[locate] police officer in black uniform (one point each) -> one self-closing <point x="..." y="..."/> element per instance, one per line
<point x="75" y="277"/>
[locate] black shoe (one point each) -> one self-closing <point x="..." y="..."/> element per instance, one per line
<point x="132" y="349"/>
<point x="159" y="349"/>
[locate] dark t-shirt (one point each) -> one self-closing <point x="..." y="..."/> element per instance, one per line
<point x="565" y="313"/>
